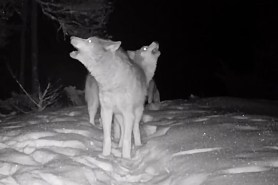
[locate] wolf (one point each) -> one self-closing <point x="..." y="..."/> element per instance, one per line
<point x="122" y="86"/>
<point x="146" y="57"/>
<point x="153" y="93"/>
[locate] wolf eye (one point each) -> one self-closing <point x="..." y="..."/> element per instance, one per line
<point x="89" y="40"/>
<point x="145" y="48"/>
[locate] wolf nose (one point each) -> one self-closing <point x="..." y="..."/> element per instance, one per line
<point x="156" y="43"/>
<point x="73" y="40"/>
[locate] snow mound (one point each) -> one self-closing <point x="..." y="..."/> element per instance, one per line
<point x="184" y="142"/>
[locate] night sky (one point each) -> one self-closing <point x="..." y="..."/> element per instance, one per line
<point x="208" y="48"/>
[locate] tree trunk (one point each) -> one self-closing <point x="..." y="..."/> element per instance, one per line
<point x="34" y="47"/>
<point x="23" y="43"/>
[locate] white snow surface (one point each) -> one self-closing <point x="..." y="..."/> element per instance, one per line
<point x="212" y="141"/>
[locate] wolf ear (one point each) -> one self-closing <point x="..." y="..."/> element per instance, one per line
<point x="113" y="46"/>
<point x="131" y="54"/>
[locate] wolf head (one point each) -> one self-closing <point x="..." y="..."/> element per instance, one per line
<point x="97" y="55"/>
<point x="146" y="57"/>
<point x="91" y="50"/>
<point x="150" y="53"/>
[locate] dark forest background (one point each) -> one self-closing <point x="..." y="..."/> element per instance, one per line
<point x="209" y="48"/>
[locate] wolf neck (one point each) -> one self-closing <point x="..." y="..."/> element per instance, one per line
<point x="106" y="70"/>
<point x="103" y="72"/>
<point x="148" y="68"/>
<point x="149" y="72"/>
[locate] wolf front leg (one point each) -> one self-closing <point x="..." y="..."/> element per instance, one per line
<point x="136" y="129"/>
<point x="106" y="117"/>
<point x="127" y="132"/>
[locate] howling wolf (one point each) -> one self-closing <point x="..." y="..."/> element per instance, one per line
<point x="146" y="57"/>
<point x="122" y="88"/>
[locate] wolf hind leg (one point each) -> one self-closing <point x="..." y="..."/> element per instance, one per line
<point x="92" y="109"/>
<point x="92" y="97"/>
<point x="118" y="128"/>
<point x="150" y="92"/>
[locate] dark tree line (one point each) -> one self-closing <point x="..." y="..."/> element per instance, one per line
<point x="81" y="18"/>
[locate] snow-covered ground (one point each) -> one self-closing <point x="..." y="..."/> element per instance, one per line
<point x="213" y="141"/>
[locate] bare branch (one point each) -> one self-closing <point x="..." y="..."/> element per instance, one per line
<point x="22" y="88"/>
<point x="81" y="17"/>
